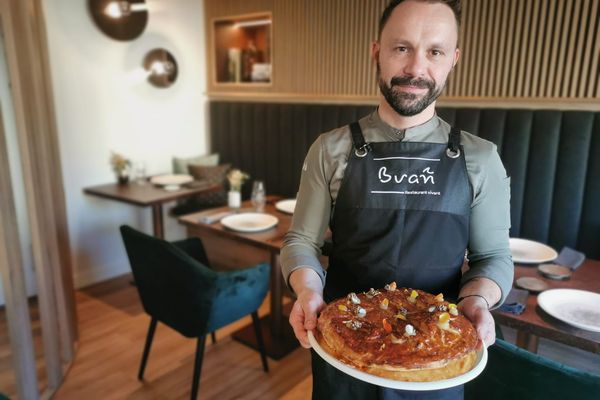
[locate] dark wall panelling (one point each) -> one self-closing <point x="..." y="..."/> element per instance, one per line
<point x="551" y="155"/>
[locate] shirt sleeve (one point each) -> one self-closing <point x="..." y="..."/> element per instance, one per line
<point x="488" y="250"/>
<point x="303" y="242"/>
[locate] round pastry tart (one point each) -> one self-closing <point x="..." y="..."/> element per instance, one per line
<point x="399" y="333"/>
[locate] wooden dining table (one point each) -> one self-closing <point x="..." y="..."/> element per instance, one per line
<point x="148" y="195"/>
<point x="536" y="323"/>
<point x="229" y="249"/>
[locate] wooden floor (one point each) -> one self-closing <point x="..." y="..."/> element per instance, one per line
<point x="112" y="327"/>
<point x="8" y="384"/>
<point x="112" y="332"/>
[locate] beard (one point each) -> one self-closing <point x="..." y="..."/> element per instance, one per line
<point x="408" y="104"/>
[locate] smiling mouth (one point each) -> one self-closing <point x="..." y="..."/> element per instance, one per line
<point x="410" y="88"/>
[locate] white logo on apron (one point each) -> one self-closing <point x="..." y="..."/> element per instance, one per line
<point x="413" y="179"/>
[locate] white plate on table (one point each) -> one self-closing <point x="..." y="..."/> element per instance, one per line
<point x="482" y="357"/>
<point x="250" y="222"/>
<point x="579" y="308"/>
<point x="171" y="180"/>
<point x="530" y="252"/>
<point x="286" y="206"/>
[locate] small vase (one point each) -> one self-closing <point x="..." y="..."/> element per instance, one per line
<point x="234" y="199"/>
<point x="123" y="179"/>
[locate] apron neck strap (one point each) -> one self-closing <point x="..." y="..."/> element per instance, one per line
<point x="361" y="147"/>
<point x="453" y="150"/>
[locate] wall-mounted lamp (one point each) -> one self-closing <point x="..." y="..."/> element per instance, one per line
<point x="120" y="9"/>
<point x="120" y="19"/>
<point x="254" y="22"/>
<point x="161" y="68"/>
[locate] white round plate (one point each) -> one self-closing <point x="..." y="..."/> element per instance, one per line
<point x="177" y="179"/>
<point x="575" y="307"/>
<point x="394" y="384"/>
<point x="249" y="222"/>
<point x="529" y="252"/>
<point x="171" y="188"/>
<point x="286" y="206"/>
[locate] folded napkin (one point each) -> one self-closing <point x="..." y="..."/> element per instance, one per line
<point x="215" y="217"/>
<point x="570" y="258"/>
<point x="515" y="301"/>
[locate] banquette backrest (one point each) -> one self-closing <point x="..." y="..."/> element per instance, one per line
<point x="552" y="156"/>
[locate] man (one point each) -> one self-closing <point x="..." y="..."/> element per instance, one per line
<point x="404" y="194"/>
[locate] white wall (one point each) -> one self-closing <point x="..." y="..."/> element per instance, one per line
<point x="103" y="103"/>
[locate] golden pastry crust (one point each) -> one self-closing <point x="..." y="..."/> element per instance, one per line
<point x="401" y="334"/>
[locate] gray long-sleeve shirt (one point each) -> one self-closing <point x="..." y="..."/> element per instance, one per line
<point x="488" y="250"/>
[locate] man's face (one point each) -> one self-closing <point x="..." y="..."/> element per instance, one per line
<point x="416" y="52"/>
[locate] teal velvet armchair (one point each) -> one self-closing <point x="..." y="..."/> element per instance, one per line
<point x="178" y="288"/>
<point x="514" y="373"/>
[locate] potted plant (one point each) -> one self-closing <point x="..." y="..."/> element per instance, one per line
<point x="120" y="166"/>
<point x="236" y="179"/>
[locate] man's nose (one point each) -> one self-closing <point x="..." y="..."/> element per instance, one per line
<point x="416" y="65"/>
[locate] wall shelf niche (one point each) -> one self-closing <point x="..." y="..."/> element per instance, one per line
<point x="242" y="50"/>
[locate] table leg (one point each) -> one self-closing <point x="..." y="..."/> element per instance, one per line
<point x="276" y="294"/>
<point x="527" y="341"/>
<point x="157" y="221"/>
<point x="277" y="333"/>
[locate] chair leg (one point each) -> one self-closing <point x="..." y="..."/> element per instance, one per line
<point x="198" y="366"/>
<point x="213" y="337"/>
<point x="147" y="346"/>
<point x="259" y="340"/>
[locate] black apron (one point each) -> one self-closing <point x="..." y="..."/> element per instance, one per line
<point x="401" y="214"/>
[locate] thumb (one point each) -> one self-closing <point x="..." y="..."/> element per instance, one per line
<point x="310" y="319"/>
<point x="310" y="314"/>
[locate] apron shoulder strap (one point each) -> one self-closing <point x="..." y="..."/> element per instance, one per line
<point x="361" y="147"/>
<point x="453" y="150"/>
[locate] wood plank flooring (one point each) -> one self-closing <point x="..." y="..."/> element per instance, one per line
<point x="113" y="328"/>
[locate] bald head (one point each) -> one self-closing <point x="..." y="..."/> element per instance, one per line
<point x="455" y="6"/>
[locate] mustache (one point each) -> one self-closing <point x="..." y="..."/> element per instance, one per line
<point x="408" y="81"/>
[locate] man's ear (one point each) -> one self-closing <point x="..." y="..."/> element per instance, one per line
<point x="375" y="47"/>
<point x="456" y="57"/>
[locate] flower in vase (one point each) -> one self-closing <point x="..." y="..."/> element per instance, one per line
<point x="236" y="178"/>
<point x="119" y="164"/>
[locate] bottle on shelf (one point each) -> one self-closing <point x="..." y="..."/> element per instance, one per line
<point x="249" y="58"/>
<point x="233" y="66"/>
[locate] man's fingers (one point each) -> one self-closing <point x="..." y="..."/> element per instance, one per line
<point x="485" y="327"/>
<point x="297" y="321"/>
<point x="303" y="317"/>
<point x="310" y="322"/>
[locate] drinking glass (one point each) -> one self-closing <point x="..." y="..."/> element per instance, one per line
<point x="259" y="195"/>
<point x="139" y="172"/>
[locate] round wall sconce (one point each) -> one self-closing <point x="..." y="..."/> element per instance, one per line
<point x="161" y="67"/>
<point x="120" y="19"/>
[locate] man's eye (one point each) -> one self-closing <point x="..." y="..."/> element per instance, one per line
<point x="436" y="52"/>
<point x="401" y="49"/>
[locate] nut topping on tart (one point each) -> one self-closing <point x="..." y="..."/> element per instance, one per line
<point x="353" y="298"/>
<point x="408" y="335"/>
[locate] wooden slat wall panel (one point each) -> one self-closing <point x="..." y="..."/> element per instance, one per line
<point x="511" y="49"/>
<point x="27" y="58"/>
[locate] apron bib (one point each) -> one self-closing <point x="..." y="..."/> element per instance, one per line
<point x="402" y="214"/>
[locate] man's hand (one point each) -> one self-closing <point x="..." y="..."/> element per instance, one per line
<point x="303" y="317"/>
<point x="309" y="288"/>
<point x="475" y="309"/>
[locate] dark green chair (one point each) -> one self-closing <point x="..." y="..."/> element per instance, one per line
<point x="178" y="288"/>
<point x="514" y="373"/>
